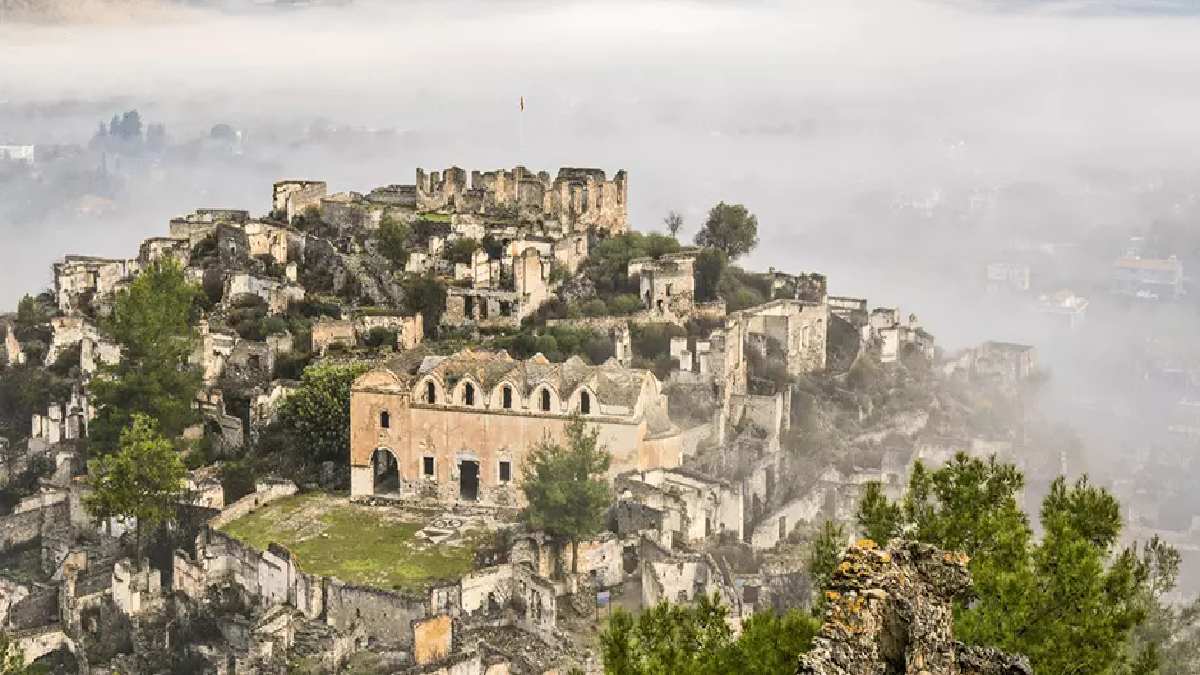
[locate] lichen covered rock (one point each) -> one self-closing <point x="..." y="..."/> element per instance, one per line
<point x="891" y="612"/>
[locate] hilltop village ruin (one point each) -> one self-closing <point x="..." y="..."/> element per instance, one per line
<point x="734" y="428"/>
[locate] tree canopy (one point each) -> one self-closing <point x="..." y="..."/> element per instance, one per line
<point x="317" y="414"/>
<point x="730" y="228"/>
<point x="696" y="640"/>
<point x="143" y="480"/>
<point x="673" y="222"/>
<point x="151" y="321"/>
<point x="427" y="295"/>
<point x="824" y="553"/>
<point x="393" y="241"/>
<point x="1069" y="601"/>
<point x="565" y="488"/>
<point x="607" y="265"/>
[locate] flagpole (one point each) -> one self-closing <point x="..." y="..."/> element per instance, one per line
<point x="521" y="132"/>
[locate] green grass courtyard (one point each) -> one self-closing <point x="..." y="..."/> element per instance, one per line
<point x="365" y="545"/>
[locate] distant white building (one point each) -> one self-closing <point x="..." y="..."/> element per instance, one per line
<point x="1007" y="276"/>
<point x="17" y="153"/>
<point x="1064" y="303"/>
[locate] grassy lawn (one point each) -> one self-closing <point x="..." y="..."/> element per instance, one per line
<point x="362" y="545"/>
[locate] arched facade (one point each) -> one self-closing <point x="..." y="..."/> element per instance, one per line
<point x="470" y="447"/>
<point x="430" y="391"/>
<point x="584" y="402"/>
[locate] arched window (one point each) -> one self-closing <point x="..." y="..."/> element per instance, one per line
<point x="469" y="394"/>
<point x="506" y="397"/>
<point x="585" y="403"/>
<point x="430" y="393"/>
<point x="385" y="420"/>
<point x="546" y="400"/>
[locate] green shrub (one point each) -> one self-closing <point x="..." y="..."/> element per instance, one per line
<point x="380" y="336"/>
<point x="594" y="307"/>
<point x="624" y="304"/>
<point x="652" y="341"/>
<point x="237" y="479"/>
<point x="273" y="325"/>
<point x="291" y="366"/>
<point x="460" y="250"/>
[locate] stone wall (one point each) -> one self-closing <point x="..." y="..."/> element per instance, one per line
<point x="328" y="332"/>
<point x="264" y="493"/>
<point x="291" y="197"/>
<point x="576" y="200"/>
<point x="39" y="608"/>
<point x="20" y="529"/>
<point x="386" y="616"/>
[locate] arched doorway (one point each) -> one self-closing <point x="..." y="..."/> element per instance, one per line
<point x="385" y="471"/>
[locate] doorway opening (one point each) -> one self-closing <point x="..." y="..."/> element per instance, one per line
<point x="468" y="480"/>
<point x="385" y="472"/>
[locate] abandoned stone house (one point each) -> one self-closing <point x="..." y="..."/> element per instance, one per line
<point x="79" y="280"/>
<point x="853" y="311"/>
<point x="73" y="331"/>
<point x="63" y="421"/>
<point x="678" y="505"/>
<point x="159" y="248"/>
<point x="1007" y="276"/>
<point x="667" y="285"/>
<point x="326" y="332"/>
<point x="276" y="294"/>
<point x="1067" y="308"/>
<point x="459" y="428"/>
<point x="1005" y="364"/>
<point x="892" y="333"/>
<point x="289" y="198"/>
<point x="486" y="304"/>
<point x="810" y="287"/>
<point x="1148" y="278"/>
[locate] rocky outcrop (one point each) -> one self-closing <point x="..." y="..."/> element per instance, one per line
<point x="890" y="613"/>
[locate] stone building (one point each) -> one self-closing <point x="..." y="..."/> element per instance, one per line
<point x="458" y="428"/>
<point x="1064" y="307"/>
<point x="485" y="303"/>
<point x="328" y="332"/>
<point x="686" y="505"/>
<point x="576" y="200"/>
<point x="667" y="284"/>
<point x="1148" y="278"/>
<point x="1003" y="363"/>
<point x="80" y="281"/>
<point x="73" y="331"/>
<point x="892" y="333"/>
<point x="289" y="198"/>
<point x="158" y="248"/>
<point x="810" y="287"/>
<point x="799" y="327"/>
<point x="851" y="310"/>
<point x="277" y="294"/>
<point x="1007" y="276"/>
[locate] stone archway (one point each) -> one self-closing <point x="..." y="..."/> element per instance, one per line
<point x="385" y="472"/>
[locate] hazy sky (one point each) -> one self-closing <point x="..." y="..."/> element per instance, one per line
<point x="835" y="122"/>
